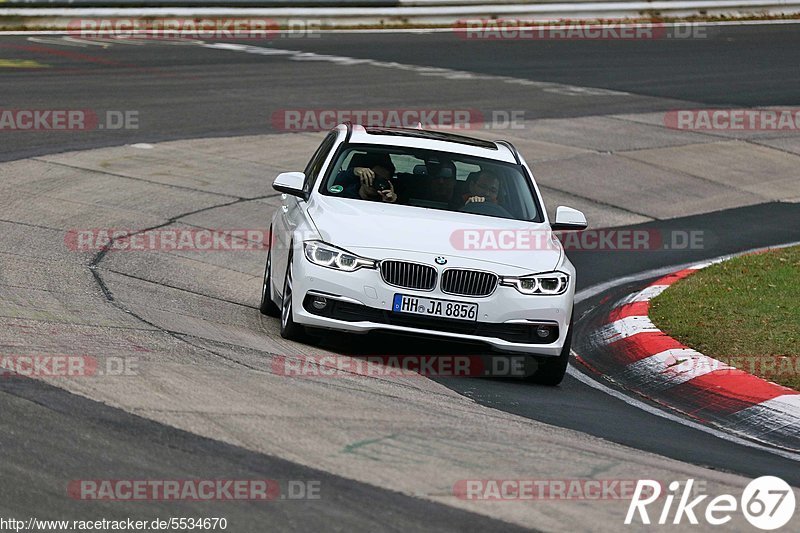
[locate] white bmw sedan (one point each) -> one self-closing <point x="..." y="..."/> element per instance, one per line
<point x="424" y="233"/>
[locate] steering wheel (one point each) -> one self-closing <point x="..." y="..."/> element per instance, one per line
<point x="486" y="208"/>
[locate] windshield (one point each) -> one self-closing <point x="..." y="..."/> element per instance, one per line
<point x="432" y="180"/>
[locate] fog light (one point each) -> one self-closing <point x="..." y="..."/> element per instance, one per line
<point x="319" y="302"/>
<point x="543" y="331"/>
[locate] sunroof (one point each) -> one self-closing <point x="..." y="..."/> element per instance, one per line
<point x="432" y="135"/>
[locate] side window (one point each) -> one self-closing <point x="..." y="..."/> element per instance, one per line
<point x="317" y="160"/>
<point x="346" y="163"/>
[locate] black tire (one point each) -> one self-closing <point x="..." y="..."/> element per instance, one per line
<point x="550" y="370"/>
<point x="289" y="330"/>
<point x="267" y="306"/>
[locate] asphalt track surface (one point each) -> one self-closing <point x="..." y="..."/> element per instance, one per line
<point x="183" y="91"/>
<point x="189" y="91"/>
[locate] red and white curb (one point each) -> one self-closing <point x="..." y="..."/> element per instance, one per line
<point x="640" y="357"/>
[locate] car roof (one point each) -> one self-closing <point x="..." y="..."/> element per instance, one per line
<point x="432" y="140"/>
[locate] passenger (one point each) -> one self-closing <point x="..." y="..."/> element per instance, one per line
<point x="484" y="188"/>
<point x="373" y="182"/>
<point x="376" y="183"/>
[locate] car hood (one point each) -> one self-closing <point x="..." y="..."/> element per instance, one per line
<point x="366" y="227"/>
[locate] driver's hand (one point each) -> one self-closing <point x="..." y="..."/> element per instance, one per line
<point x="366" y="175"/>
<point x="476" y="199"/>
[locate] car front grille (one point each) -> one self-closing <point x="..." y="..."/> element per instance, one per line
<point x="468" y="282"/>
<point x="408" y="275"/>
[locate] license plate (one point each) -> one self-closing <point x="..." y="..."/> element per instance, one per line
<point x="431" y="307"/>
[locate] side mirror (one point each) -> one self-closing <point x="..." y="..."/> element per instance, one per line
<point x="568" y="218"/>
<point x="290" y="183"/>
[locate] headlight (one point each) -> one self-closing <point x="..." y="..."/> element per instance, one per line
<point x="549" y="283"/>
<point x="329" y="256"/>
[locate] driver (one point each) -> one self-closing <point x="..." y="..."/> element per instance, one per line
<point x="484" y="188"/>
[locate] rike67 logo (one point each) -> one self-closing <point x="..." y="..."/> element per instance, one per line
<point x="767" y="503"/>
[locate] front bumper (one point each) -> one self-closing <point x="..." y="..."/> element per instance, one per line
<point x="361" y="302"/>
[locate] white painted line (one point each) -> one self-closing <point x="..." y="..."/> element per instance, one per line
<point x="451" y="74"/>
<point x="586" y="379"/>
<point x="117" y="40"/>
<point x="700" y="266"/>
<point x="57" y="42"/>
<point x="84" y="41"/>
<point x="132" y="42"/>
<point x="633" y="402"/>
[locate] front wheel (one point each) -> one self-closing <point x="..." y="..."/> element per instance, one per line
<point x="268" y="306"/>
<point x="289" y="329"/>
<point x="551" y="370"/>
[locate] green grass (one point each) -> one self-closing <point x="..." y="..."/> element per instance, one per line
<point x="745" y="312"/>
